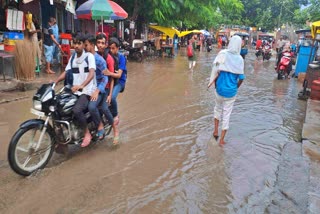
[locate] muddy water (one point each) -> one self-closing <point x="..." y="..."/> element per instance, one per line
<point x="167" y="161"/>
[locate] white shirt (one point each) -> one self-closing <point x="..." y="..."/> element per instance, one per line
<point x="79" y="78"/>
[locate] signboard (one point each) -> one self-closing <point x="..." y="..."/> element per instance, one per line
<point x="132" y="25"/>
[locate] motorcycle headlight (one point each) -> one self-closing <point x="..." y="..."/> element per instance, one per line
<point x="37" y="105"/>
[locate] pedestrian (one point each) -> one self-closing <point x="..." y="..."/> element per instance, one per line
<point x="192" y="59"/>
<point x="227" y="76"/>
<point x="48" y="42"/>
<point x="56" y="51"/>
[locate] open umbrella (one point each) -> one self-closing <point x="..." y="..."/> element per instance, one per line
<point x="205" y="32"/>
<point x="101" y="10"/>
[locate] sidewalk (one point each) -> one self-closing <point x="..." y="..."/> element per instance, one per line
<point x="311" y="152"/>
<point x="12" y="84"/>
<point x="13" y="89"/>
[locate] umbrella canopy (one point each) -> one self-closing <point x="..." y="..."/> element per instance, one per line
<point x="100" y="10"/>
<point x="205" y="32"/>
<point x="315" y="28"/>
<point x="184" y="33"/>
<point x="166" y="30"/>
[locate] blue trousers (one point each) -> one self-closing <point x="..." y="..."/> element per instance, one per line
<point x="94" y="111"/>
<point x="114" y="105"/>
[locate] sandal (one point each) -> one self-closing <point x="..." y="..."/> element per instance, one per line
<point x="100" y="134"/>
<point x="216" y="137"/>
<point x="116" y="140"/>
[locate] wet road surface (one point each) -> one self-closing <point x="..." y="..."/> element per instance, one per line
<point x="167" y="161"/>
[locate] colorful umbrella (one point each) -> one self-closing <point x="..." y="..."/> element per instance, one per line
<point x="101" y="10"/>
<point x="205" y="32"/>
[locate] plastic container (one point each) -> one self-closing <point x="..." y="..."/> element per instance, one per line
<point x="315" y="90"/>
<point x="65" y="36"/>
<point x="10" y="42"/>
<point x="9" y="48"/>
<point x="13" y="35"/>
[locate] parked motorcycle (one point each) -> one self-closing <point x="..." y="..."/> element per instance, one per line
<point x="266" y="52"/>
<point x="133" y="53"/>
<point x="32" y="146"/>
<point x="284" y="66"/>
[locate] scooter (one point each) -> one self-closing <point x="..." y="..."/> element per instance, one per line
<point x="259" y="52"/>
<point x="266" y="52"/>
<point x="284" y="66"/>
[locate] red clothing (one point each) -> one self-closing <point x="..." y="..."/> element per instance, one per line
<point x="259" y="43"/>
<point x="110" y="66"/>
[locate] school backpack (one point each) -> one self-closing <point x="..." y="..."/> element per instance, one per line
<point x="116" y="63"/>
<point x="190" y="50"/>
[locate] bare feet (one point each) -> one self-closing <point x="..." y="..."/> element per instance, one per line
<point x="50" y="71"/>
<point x="86" y="140"/>
<point x="222" y="142"/>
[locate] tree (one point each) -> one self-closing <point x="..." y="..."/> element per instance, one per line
<point x="192" y="13"/>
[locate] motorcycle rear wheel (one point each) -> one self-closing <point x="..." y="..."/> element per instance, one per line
<point x="24" y="158"/>
<point x="280" y="75"/>
<point x="137" y="56"/>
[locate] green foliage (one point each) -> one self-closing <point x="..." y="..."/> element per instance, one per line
<point x="191" y="13"/>
<point x="270" y="14"/>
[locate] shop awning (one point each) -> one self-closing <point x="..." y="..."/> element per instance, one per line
<point x="184" y="33"/>
<point x="166" y="30"/>
<point x="315" y="28"/>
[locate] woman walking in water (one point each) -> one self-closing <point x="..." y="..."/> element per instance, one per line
<point x="227" y="75"/>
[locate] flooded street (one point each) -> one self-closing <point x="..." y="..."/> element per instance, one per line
<point x="167" y="161"/>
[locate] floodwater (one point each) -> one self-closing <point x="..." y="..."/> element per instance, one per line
<point x="167" y="161"/>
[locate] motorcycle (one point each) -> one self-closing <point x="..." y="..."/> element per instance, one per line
<point x="132" y="53"/>
<point x="258" y="52"/>
<point x="266" y="52"/>
<point x="32" y="145"/>
<point x="284" y="66"/>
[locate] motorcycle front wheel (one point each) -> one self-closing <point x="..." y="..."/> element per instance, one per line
<point x="30" y="149"/>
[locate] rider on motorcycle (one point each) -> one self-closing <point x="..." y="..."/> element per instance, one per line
<point x="99" y="97"/>
<point x="286" y="50"/>
<point x="120" y="75"/>
<point x="80" y="73"/>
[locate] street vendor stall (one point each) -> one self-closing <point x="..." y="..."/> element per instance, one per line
<point x="166" y="41"/>
<point x="305" y="53"/>
<point x="312" y="65"/>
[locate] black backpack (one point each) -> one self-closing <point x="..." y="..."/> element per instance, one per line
<point x="115" y="58"/>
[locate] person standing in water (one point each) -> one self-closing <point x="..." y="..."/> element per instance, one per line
<point x="192" y="59"/>
<point x="227" y="75"/>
